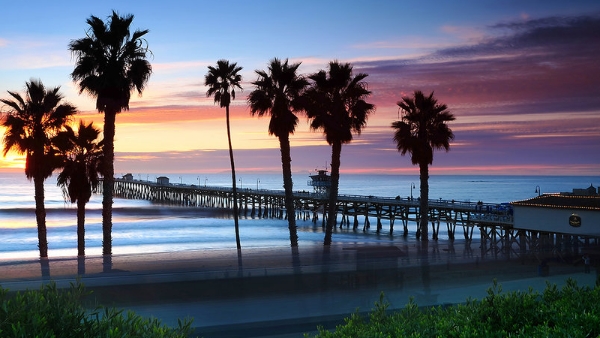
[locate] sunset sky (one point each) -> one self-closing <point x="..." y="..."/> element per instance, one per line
<point x="522" y="78"/>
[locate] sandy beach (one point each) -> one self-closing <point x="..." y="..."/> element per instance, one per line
<point x="283" y="292"/>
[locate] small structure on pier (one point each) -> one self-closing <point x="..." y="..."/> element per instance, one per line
<point x="321" y="182"/>
<point x="162" y="180"/>
<point x="557" y="213"/>
<point x="128" y="177"/>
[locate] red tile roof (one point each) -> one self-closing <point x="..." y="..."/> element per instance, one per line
<point x="562" y="201"/>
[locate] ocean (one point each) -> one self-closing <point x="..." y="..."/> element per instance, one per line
<point x="142" y="227"/>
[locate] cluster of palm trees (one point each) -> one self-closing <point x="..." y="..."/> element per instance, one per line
<point x="37" y="126"/>
<point x="334" y="100"/>
<point x="112" y="62"/>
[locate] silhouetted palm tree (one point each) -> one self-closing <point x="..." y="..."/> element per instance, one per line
<point x="110" y="64"/>
<point x="82" y="159"/>
<point x="422" y="129"/>
<point x="32" y="123"/>
<point x="335" y="103"/>
<point x="277" y="93"/>
<point x="222" y="82"/>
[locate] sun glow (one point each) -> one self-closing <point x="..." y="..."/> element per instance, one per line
<point x="12" y="160"/>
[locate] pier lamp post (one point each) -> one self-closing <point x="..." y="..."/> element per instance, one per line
<point x="198" y="178"/>
<point x="412" y="186"/>
<point x="257" y="182"/>
<point x="205" y="179"/>
<point x="241" y="184"/>
<point x="147" y="178"/>
<point x="180" y="180"/>
<point x="538" y="190"/>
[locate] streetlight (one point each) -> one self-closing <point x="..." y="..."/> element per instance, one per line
<point x="180" y="180"/>
<point x="240" y="183"/>
<point x="412" y="185"/>
<point x="257" y="182"/>
<point x="538" y="190"/>
<point x="205" y="179"/>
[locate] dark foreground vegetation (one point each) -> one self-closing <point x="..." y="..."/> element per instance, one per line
<point x="572" y="311"/>
<point x="51" y="312"/>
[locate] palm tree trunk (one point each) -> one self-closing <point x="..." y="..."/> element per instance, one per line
<point x="336" y="151"/>
<point x="286" y="164"/>
<point x="40" y="216"/>
<point x="81" y="227"/>
<point x="80" y="236"/>
<point x="107" y="186"/>
<point x="424" y="205"/>
<point x="234" y="188"/>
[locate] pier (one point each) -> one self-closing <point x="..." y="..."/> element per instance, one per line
<point x="493" y="222"/>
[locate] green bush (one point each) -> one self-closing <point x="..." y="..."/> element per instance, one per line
<point x="572" y="311"/>
<point x="50" y="312"/>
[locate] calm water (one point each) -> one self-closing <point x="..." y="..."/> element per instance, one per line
<point x="141" y="227"/>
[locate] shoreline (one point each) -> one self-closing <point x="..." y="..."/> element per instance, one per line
<point x="278" y="256"/>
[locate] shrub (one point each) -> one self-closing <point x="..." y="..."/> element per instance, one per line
<point x="572" y="311"/>
<point x="50" y="312"/>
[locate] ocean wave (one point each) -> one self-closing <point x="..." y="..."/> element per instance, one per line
<point x="141" y="212"/>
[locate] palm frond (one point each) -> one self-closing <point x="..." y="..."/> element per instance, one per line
<point x="423" y="127"/>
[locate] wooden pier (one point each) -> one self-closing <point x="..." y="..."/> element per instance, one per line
<point x="494" y="221"/>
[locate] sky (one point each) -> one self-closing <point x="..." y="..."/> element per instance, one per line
<point x="521" y="77"/>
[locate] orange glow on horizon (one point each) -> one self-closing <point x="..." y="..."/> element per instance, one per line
<point x="12" y="161"/>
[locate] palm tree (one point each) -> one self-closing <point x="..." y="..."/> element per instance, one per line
<point x="422" y="129"/>
<point x="222" y="82"/>
<point x="277" y="93"/>
<point x="32" y="123"/>
<point x="335" y="103"/>
<point x="110" y="63"/>
<point x="82" y="159"/>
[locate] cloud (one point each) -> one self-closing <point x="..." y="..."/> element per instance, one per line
<point x="534" y="66"/>
<point x="545" y="37"/>
<point x="463" y="33"/>
<point x="27" y="53"/>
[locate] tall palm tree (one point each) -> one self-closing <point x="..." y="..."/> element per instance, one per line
<point x="222" y="82"/>
<point x="278" y="93"/>
<point x="82" y="159"/>
<point x="422" y="129"/>
<point x="335" y="103"/>
<point x="32" y="122"/>
<point x="110" y="64"/>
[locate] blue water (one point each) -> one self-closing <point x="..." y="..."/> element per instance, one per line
<point x="141" y="227"/>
